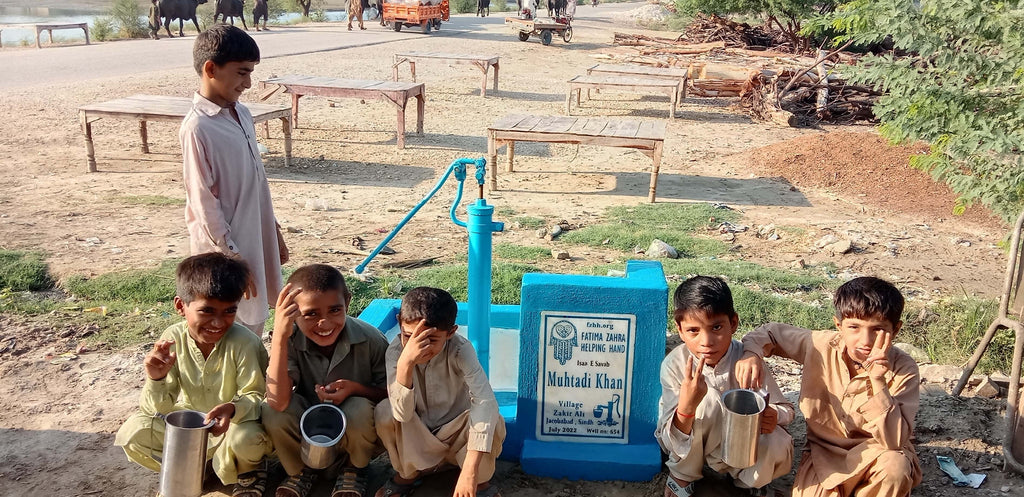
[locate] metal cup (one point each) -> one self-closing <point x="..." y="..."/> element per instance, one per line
<point x="322" y="427"/>
<point x="184" y="455"/>
<point x="742" y="427"/>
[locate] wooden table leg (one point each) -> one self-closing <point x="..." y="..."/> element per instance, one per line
<point x="394" y="68"/>
<point x="412" y="68"/>
<point x="492" y="159"/>
<point x="511" y="152"/>
<point x="286" y="128"/>
<point x="568" y="102"/>
<point x="579" y="93"/>
<point x="656" y="157"/>
<point x="39" y="32"/>
<point x="483" y="69"/>
<point x="90" y="152"/>
<point x="495" y="75"/>
<point x="295" y="109"/>
<point x="674" y="98"/>
<point x="420" y="101"/>
<point x="400" y="142"/>
<point x="144" y="134"/>
<point x="86" y="29"/>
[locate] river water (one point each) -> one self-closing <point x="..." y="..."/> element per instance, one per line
<point x="46" y="15"/>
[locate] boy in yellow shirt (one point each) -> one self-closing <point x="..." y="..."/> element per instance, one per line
<point x="207" y="363"/>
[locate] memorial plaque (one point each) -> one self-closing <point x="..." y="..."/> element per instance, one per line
<point x="585" y="377"/>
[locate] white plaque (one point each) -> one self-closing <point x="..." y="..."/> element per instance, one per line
<point x="585" y="365"/>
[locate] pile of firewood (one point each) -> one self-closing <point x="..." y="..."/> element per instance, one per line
<point x="710" y="28"/>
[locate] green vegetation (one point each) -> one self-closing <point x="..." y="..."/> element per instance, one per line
<point x="950" y="330"/>
<point x="462" y="6"/>
<point x="24" y="271"/>
<point x="958" y="90"/>
<point x="102" y="28"/>
<point x="141" y="286"/>
<point x="786" y="15"/>
<point x="637" y="226"/>
<point x="529" y="222"/>
<point x="127" y="17"/>
<point x="154" y="200"/>
<point x="521" y="252"/>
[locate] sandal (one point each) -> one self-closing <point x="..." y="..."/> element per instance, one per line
<point x="251" y="484"/>
<point x="673" y="486"/>
<point x="297" y="485"/>
<point x="391" y="488"/>
<point x="350" y="483"/>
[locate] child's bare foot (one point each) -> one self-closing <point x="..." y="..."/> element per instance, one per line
<point x="674" y="487"/>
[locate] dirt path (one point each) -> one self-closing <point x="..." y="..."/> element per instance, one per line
<point x="57" y="419"/>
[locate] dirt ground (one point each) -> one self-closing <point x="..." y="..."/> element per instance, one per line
<point x="57" y="418"/>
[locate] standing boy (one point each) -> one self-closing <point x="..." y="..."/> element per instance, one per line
<point x="858" y="394"/>
<point x="209" y="364"/>
<point x="693" y="379"/>
<point x="227" y="198"/>
<point x="440" y="411"/>
<point x="154" y="20"/>
<point x="326" y="356"/>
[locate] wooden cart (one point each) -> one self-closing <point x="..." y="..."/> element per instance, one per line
<point x="427" y="17"/>
<point x="545" y="30"/>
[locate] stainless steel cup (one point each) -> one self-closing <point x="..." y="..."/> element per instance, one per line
<point x="322" y="427"/>
<point x="184" y="455"/>
<point x="742" y="427"/>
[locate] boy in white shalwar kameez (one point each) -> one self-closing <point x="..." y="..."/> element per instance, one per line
<point x="440" y="411"/>
<point x="693" y="378"/>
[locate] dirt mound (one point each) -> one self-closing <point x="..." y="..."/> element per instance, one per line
<point x="862" y="167"/>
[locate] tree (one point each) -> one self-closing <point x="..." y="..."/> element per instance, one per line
<point x="961" y="89"/>
<point x="787" y="15"/>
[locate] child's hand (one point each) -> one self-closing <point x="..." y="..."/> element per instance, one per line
<point x="769" y="419"/>
<point x="749" y="371"/>
<point x="159" y="361"/>
<point x="693" y="389"/>
<point x="223" y="414"/>
<point x="416" y="348"/>
<point x="286" y="312"/>
<point x="465" y="486"/>
<point x="877" y="363"/>
<point x="336" y="392"/>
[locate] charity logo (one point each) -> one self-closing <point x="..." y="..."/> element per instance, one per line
<point x="563" y="339"/>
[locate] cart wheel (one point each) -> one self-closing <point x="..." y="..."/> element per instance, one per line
<point x="545" y="37"/>
<point x="437" y="25"/>
<point x="567" y="34"/>
<point x="425" y="27"/>
<point x="397" y="26"/>
<point x="523" y="36"/>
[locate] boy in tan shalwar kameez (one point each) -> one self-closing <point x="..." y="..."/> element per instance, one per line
<point x="440" y="411"/>
<point x="858" y="394"/>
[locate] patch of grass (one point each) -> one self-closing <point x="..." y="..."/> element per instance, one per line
<point x="529" y="222"/>
<point x="141" y="286"/>
<point x="950" y="330"/>
<point x="24" y="271"/>
<point x="629" y="227"/>
<point x="506" y="281"/>
<point x="753" y="275"/>
<point x="756" y="308"/>
<point x="153" y="200"/>
<point x="521" y="252"/>
<point x="505" y="212"/>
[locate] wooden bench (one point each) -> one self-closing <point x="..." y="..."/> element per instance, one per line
<point x="396" y="92"/>
<point x="647" y="136"/>
<point x="631" y="84"/>
<point x="163" y="108"/>
<point x="49" y="28"/>
<point x="672" y="73"/>
<point x="482" y="62"/>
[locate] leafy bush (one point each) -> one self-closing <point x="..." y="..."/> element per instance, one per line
<point x="463" y="6"/>
<point x="102" y="28"/>
<point x="787" y="15"/>
<point x="127" y="17"/>
<point x="959" y="89"/>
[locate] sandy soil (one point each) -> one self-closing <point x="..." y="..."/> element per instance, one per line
<point x="57" y="419"/>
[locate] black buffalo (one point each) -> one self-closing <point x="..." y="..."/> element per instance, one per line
<point x="232" y="9"/>
<point x="182" y="10"/>
<point x="483" y="7"/>
<point x="260" y="10"/>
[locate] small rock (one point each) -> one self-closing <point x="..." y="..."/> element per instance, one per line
<point x="987" y="389"/>
<point x="542" y="232"/>
<point x="317" y="204"/>
<point x="891" y="249"/>
<point x="960" y="241"/>
<point x="916" y="353"/>
<point x="292" y="229"/>
<point x="1004" y="488"/>
<point x="774" y="236"/>
<point x="826" y="240"/>
<point x="975" y="380"/>
<point x="728" y="237"/>
<point x="606" y="241"/>
<point x="939" y="373"/>
<point x="661" y="250"/>
<point x="839" y="247"/>
<point x="766" y="231"/>
<point x="82" y="348"/>
<point x="560" y="254"/>
<point x="116" y="250"/>
<point x="554" y="231"/>
<point x="799" y="264"/>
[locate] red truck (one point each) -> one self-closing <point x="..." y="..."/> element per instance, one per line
<point x="427" y="17"/>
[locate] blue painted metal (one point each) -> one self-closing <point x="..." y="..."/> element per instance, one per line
<point x="480" y="251"/>
<point x="456" y="166"/>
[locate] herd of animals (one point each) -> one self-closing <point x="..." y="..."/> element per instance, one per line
<point x="185" y="10"/>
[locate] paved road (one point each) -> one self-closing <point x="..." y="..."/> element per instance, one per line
<point x="21" y="68"/>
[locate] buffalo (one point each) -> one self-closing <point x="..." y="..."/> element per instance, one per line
<point x="232" y="9"/>
<point x="182" y="10"/>
<point x="260" y="10"/>
<point x="482" y="6"/>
